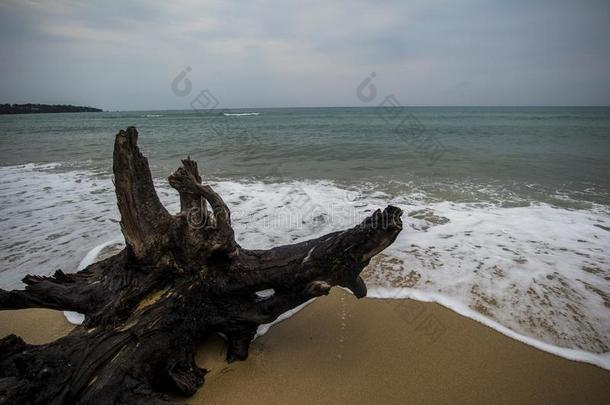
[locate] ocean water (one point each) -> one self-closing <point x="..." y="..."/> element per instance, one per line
<point x="506" y="210"/>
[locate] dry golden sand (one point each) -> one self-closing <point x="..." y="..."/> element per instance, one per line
<point x="343" y="350"/>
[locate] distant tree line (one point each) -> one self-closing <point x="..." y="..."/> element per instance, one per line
<point x="43" y="108"/>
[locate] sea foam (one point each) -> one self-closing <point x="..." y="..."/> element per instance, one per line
<point x="536" y="272"/>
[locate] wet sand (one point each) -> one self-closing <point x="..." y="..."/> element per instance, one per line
<point x="343" y="350"/>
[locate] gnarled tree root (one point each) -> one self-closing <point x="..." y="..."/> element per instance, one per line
<point x="148" y="307"/>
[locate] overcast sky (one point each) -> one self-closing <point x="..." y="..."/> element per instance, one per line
<point x="124" y="55"/>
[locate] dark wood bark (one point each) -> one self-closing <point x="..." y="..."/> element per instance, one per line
<point x="180" y="278"/>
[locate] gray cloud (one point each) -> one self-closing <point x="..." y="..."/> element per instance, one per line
<point x="124" y="55"/>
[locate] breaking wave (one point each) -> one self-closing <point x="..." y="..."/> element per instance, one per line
<point x="536" y="272"/>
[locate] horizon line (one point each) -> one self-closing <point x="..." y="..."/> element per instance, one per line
<point x="361" y="106"/>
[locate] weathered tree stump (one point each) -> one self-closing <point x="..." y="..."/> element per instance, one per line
<point x="147" y="307"/>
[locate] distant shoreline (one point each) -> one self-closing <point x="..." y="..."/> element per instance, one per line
<point x="44" y="108"/>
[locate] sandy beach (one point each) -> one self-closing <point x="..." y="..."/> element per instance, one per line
<point x="343" y="350"/>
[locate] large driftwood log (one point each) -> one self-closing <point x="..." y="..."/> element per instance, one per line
<point x="148" y="307"/>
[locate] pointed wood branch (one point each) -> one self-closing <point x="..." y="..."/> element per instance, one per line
<point x="144" y="220"/>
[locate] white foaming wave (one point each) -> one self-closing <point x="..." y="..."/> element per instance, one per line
<point x="239" y="114"/>
<point x="599" y="359"/>
<point x="540" y="271"/>
<point x="50" y="220"/>
<point x="94" y="253"/>
<point x="76" y="318"/>
<point x="264" y="328"/>
<point x="152" y="115"/>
